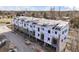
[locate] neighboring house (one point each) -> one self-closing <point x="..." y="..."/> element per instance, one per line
<point x="52" y="32"/>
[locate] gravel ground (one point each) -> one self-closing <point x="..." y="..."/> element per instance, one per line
<point x="16" y="39"/>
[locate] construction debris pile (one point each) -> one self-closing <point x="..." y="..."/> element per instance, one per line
<point x="5" y="45"/>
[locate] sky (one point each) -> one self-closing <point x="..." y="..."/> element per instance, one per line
<point x="33" y="8"/>
<point x="38" y="5"/>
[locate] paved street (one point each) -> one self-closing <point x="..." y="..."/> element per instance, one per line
<point x="16" y="39"/>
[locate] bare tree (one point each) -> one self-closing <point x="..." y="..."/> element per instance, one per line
<point x="59" y="13"/>
<point x="52" y="12"/>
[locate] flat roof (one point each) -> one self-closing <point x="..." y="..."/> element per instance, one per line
<point x="43" y="21"/>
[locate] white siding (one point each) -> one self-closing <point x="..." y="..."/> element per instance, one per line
<point x="62" y="42"/>
<point x="34" y="27"/>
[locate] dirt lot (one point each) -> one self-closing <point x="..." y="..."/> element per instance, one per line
<point x="73" y="40"/>
<point x="15" y="38"/>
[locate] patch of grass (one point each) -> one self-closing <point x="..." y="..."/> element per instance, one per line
<point x="5" y="21"/>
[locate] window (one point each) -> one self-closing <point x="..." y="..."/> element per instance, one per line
<point x="48" y="39"/>
<point x="42" y="36"/>
<point x="42" y="28"/>
<point x="30" y="31"/>
<point x="64" y="37"/>
<point x="63" y="32"/>
<point x="66" y="30"/>
<point x="24" y="24"/>
<point x="57" y="29"/>
<point x="34" y="26"/>
<point x="38" y="29"/>
<point x="62" y="40"/>
<point x="30" y="26"/>
<point x="53" y="28"/>
<point x="55" y="32"/>
<point x="34" y="33"/>
<point x="48" y="31"/>
<point x="38" y="34"/>
<point x="22" y="21"/>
